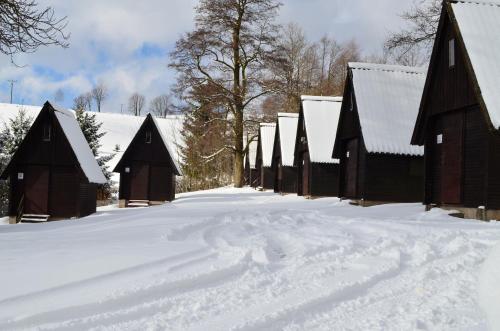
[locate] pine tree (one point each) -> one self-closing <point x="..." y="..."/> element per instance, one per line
<point x="206" y="161"/>
<point x="11" y="136"/>
<point x="91" y="129"/>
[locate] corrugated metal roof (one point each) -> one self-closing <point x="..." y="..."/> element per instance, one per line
<point x="287" y="127"/>
<point x="321" y="118"/>
<point x="252" y="153"/>
<point x="388" y="99"/>
<point x="267" y="132"/>
<point x="479" y="25"/>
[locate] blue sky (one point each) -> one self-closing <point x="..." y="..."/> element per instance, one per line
<point x="125" y="44"/>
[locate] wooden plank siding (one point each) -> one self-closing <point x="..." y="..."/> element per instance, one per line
<point x="146" y="168"/>
<point x="54" y="183"/>
<point x="372" y="176"/>
<point x="463" y="169"/>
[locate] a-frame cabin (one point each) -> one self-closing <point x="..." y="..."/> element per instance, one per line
<point x="285" y="173"/>
<point x="459" y="117"/>
<point x="251" y="175"/>
<point x="147" y="168"/>
<point x="317" y="170"/>
<point x="377" y="162"/>
<point x="264" y="156"/>
<point x="53" y="174"/>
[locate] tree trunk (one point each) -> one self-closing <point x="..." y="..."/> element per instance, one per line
<point x="238" y="168"/>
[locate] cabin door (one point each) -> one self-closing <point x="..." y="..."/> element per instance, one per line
<point x="161" y="184"/>
<point x="36" y="190"/>
<point x="306" y="169"/>
<point x="451" y="158"/>
<point x="351" y="168"/>
<point x="139" y="181"/>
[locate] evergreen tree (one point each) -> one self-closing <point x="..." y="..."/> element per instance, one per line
<point x="91" y="129"/>
<point x="206" y="162"/>
<point x="11" y="136"/>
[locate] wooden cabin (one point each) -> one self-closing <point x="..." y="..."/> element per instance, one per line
<point x="459" y="118"/>
<point x="285" y="173"/>
<point x="251" y="175"/>
<point x="147" y="168"/>
<point x="264" y="155"/>
<point x="377" y="162"/>
<point x="53" y="174"/>
<point x="317" y="170"/>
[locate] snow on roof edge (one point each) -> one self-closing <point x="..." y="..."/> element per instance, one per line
<point x="320" y="98"/>
<point x="165" y="142"/>
<point x="386" y="67"/>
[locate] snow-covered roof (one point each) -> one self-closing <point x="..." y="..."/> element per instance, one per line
<point x="120" y="129"/>
<point x="479" y="25"/>
<point x="167" y="143"/>
<point x="79" y="144"/>
<point x="287" y="127"/>
<point x="321" y="118"/>
<point x="388" y="99"/>
<point x="267" y="133"/>
<point x="252" y="153"/>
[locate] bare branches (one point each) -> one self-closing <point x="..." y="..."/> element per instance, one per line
<point x="24" y="27"/>
<point x="419" y="37"/>
<point x="136" y="103"/>
<point x="99" y="93"/>
<point x="161" y="105"/>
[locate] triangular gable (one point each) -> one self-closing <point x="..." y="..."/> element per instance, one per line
<point x="477" y="28"/>
<point x="74" y="135"/>
<point x="138" y="135"/>
<point x="320" y="116"/>
<point x="387" y="102"/>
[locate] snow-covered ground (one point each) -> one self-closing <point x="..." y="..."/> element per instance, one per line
<point x="232" y="259"/>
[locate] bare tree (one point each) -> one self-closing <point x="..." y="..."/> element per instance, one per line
<point x="161" y="105"/>
<point x="99" y="93"/>
<point x="136" y="103"/>
<point x="228" y="50"/>
<point x="24" y="27"/>
<point x="83" y="102"/>
<point x="79" y="103"/>
<point x="417" y="40"/>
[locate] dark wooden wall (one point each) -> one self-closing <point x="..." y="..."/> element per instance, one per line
<point x="463" y="169"/>
<point x="267" y="178"/>
<point x="151" y="176"/>
<point x="53" y="183"/>
<point x="285" y="180"/>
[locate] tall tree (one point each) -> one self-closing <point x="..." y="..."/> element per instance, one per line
<point x="414" y="44"/>
<point x="229" y="50"/>
<point x="91" y="129"/>
<point x="136" y="104"/>
<point x="99" y="93"/>
<point x="59" y="96"/>
<point x="11" y="136"/>
<point x="161" y="105"/>
<point x="24" y="27"/>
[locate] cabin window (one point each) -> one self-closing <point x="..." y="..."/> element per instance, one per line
<point x="20" y="175"/>
<point x="46" y="132"/>
<point x="347" y="154"/>
<point x="439" y="138"/>
<point x="127" y="170"/>
<point x="148" y="137"/>
<point x="351" y="105"/>
<point x="451" y="52"/>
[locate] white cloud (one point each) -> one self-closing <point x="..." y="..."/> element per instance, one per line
<point x="105" y="37"/>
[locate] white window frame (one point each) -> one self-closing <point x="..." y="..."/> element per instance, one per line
<point x="439" y="139"/>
